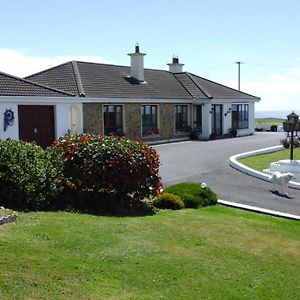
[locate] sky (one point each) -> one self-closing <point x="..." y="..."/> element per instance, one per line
<point x="207" y="36"/>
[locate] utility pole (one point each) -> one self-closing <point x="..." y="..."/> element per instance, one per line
<point x="239" y="74"/>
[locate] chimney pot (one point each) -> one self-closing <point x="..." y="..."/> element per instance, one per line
<point x="137" y="63"/>
<point x="175" y="60"/>
<point x="175" y="66"/>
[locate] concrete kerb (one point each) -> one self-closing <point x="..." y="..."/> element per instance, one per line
<point x="259" y="210"/>
<point x="234" y="163"/>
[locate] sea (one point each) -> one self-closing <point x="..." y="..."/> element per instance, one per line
<point x="274" y="113"/>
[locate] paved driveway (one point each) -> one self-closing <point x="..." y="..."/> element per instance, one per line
<point x="207" y="161"/>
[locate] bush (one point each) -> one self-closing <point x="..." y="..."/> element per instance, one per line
<point x="28" y="175"/>
<point x="193" y="195"/>
<point x="168" y="201"/>
<point x="123" y="172"/>
<point x="273" y="128"/>
<point x="285" y="143"/>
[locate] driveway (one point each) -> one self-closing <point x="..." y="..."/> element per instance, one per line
<point x="207" y="161"/>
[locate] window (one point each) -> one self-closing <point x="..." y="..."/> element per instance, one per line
<point x="149" y="120"/>
<point x="197" y="117"/>
<point x="181" y="118"/>
<point x="240" y="116"/>
<point x="113" y="120"/>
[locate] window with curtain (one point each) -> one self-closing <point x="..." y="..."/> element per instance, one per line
<point x="113" y="120"/>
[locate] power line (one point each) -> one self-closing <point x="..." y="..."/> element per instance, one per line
<point x="269" y="65"/>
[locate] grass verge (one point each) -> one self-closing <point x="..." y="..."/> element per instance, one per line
<point x="268" y="121"/>
<point x="212" y="253"/>
<point x="263" y="161"/>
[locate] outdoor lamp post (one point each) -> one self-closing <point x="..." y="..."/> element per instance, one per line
<point x="291" y="125"/>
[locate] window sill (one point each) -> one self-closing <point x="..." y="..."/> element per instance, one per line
<point x="151" y="136"/>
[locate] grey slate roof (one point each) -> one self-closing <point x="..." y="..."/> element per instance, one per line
<point x="110" y="81"/>
<point x="202" y="88"/>
<point x="96" y="80"/>
<point x="15" y="86"/>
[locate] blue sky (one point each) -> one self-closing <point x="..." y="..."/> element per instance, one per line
<point x="208" y="37"/>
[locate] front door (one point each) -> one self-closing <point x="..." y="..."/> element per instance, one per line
<point x="217" y="110"/>
<point x="36" y="123"/>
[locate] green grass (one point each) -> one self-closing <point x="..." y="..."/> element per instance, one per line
<point x="263" y="161"/>
<point x="211" y="253"/>
<point x="268" y="121"/>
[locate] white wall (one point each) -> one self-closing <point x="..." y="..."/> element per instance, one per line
<point x="227" y="120"/>
<point x="206" y="121"/>
<point x="12" y="132"/>
<point x="64" y="120"/>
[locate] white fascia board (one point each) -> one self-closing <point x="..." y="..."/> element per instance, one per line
<point x="74" y="100"/>
<point x="233" y="101"/>
<point x="134" y="100"/>
<point x="39" y="100"/>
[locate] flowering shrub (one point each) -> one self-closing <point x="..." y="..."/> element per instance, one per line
<point x="28" y="175"/>
<point x="118" y="168"/>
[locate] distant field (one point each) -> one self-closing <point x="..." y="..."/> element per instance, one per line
<point x="268" y="121"/>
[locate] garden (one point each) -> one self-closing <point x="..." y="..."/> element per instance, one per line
<point x="93" y="222"/>
<point x="91" y="174"/>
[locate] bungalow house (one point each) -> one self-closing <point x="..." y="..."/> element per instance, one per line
<point x="147" y="104"/>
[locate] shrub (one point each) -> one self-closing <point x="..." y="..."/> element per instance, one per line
<point x="193" y="195"/>
<point x="120" y="170"/>
<point x="285" y="143"/>
<point x="28" y="175"/>
<point x="190" y="201"/>
<point x="168" y="201"/>
<point x="273" y="128"/>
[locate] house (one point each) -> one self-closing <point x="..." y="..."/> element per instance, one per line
<point x="147" y="104"/>
<point x="33" y="112"/>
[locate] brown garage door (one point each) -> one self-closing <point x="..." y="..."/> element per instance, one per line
<point x="36" y="123"/>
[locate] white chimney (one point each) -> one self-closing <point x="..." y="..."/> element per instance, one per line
<point x="137" y="63"/>
<point x="175" y="66"/>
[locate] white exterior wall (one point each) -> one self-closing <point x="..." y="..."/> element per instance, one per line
<point x="64" y="122"/>
<point x="12" y="132"/>
<point x="227" y="118"/>
<point x="206" y="121"/>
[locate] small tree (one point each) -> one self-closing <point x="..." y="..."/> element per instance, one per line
<point x="115" y="167"/>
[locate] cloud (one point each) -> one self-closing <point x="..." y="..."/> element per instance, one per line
<point x="278" y="91"/>
<point x="20" y="64"/>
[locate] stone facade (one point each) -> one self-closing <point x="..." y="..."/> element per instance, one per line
<point x="132" y="116"/>
<point x="92" y="118"/>
<point x="167" y="121"/>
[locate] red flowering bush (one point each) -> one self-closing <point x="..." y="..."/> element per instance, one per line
<point x="112" y="166"/>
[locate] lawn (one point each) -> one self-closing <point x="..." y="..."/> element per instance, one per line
<point x="262" y="161"/>
<point x="210" y="253"/>
<point x="268" y="121"/>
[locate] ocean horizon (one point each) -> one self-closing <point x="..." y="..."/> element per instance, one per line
<point x="274" y="113"/>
